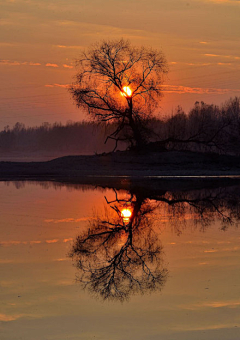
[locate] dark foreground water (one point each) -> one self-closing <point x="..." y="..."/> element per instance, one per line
<point x="73" y="267"/>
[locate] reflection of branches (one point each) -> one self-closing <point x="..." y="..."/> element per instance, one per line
<point x="203" y="206"/>
<point x="117" y="259"/>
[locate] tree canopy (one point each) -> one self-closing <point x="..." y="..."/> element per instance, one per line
<point x="122" y="83"/>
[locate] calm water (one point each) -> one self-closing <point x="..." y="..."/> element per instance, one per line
<point x="71" y="268"/>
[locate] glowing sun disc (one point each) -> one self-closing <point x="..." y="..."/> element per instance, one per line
<point x="127" y="92"/>
<point x="126" y="213"/>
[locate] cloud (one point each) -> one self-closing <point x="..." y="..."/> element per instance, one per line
<point x="226" y="1"/>
<point x="11" y="243"/>
<point x="61" y="260"/>
<point x="30" y="63"/>
<point x="198" y="64"/>
<point x="222" y="56"/>
<point x="52" y="241"/>
<point x="167" y="89"/>
<point x="18" y="63"/>
<point x="68" y="220"/>
<point x="57" y="85"/>
<point x="216" y="327"/>
<point x="67" y="240"/>
<point x="221" y="304"/>
<point x="34" y="64"/>
<point x="67" y="66"/>
<point x="51" y="65"/>
<point x="212" y="55"/>
<point x="11" y="63"/>
<point x="7" y="318"/>
<point x="213" y="304"/>
<point x="16" y="243"/>
<point x="70" y="47"/>
<point x="35" y="242"/>
<point x="197" y="90"/>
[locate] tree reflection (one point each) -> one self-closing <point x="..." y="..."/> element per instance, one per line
<point x="202" y="207"/>
<point x="116" y="257"/>
<point x="122" y="255"/>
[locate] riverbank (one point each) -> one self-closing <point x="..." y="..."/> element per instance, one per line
<point x="121" y="166"/>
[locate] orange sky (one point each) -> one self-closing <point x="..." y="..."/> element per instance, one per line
<point x="39" y="41"/>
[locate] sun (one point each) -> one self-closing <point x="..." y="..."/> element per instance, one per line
<point x="126" y="91"/>
<point x="126" y="213"/>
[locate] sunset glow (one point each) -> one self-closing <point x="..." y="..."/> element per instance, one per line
<point x="126" y="92"/>
<point x="119" y="170"/>
<point x="202" y="53"/>
<point x="126" y="214"/>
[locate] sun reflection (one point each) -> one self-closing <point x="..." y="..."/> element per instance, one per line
<point x="126" y="214"/>
<point x="126" y="92"/>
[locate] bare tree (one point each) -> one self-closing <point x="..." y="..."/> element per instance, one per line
<point x="120" y="83"/>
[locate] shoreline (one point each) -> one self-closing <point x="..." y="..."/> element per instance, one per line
<point x="126" y="166"/>
<point x="153" y="185"/>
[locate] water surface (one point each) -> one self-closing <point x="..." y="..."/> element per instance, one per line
<point x="176" y="270"/>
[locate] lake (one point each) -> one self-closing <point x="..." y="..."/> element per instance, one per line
<point x="75" y="266"/>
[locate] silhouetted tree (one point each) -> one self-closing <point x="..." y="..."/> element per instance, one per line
<point x="205" y="128"/>
<point x="121" y="83"/>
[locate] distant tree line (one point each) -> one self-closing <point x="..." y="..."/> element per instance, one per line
<point x="55" y="139"/>
<point x="206" y="128"/>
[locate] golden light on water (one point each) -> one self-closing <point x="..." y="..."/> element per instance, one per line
<point x="126" y="92"/>
<point x="126" y="214"/>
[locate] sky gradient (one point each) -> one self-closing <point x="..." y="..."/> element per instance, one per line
<point x="40" y="41"/>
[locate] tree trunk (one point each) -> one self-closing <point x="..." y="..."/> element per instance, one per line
<point x="137" y="136"/>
